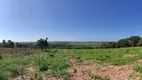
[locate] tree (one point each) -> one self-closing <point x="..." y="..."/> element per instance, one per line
<point x="43" y="44"/>
<point x="17" y="45"/>
<point x="134" y="40"/>
<point x="10" y="44"/>
<point x="123" y="43"/>
<point x="110" y="44"/>
<point x="139" y="43"/>
<point x="4" y="43"/>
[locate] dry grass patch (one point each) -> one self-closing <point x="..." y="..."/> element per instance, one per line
<point x="130" y="55"/>
<point x="82" y="71"/>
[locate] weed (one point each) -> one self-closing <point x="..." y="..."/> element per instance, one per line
<point x="138" y="68"/>
<point x="96" y="77"/>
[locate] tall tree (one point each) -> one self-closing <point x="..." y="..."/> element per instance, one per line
<point x="10" y="44"/>
<point x="3" y="43"/>
<point x="134" y="40"/>
<point x="43" y="44"/>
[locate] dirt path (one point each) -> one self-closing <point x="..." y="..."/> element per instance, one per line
<point x="77" y="71"/>
<point x="82" y="71"/>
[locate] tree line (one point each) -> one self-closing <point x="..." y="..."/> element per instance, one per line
<point x="132" y="41"/>
<point x="43" y="44"/>
<point x="11" y="44"/>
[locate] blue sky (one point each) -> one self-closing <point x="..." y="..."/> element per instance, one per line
<point x="70" y="20"/>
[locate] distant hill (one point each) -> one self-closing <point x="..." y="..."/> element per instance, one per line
<point x="91" y="43"/>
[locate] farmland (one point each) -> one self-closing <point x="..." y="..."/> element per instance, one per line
<point x="73" y="64"/>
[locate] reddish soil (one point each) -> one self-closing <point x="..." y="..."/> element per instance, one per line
<point x="82" y="71"/>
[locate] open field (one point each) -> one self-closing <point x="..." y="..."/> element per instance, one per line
<point x="73" y="64"/>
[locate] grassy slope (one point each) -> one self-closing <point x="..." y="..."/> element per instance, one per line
<point x="55" y="64"/>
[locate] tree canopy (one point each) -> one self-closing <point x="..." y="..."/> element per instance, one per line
<point x="43" y="44"/>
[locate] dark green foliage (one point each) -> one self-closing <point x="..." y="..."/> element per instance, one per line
<point x="43" y="44"/>
<point x="134" y="40"/>
<point x="3" y="43"/>
<point x="139" y="43"/>
<point x="43" y="68"/>
<point x="20" y="45"/>
<point x="122" y="43"/>
<point x="138" y="69"/>
<point x="109" y="45"/>
<point x="127" y="42"/>
<point x="10" y="44"/>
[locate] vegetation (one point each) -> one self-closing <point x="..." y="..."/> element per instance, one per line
<point x="138" y="68"/>
<point x="42" y="62"/>
<point x="11" y="44"/>
<point x="132" y="41"/>
<point x="43" y="44"/>
<point x="74" y="45"/>
<point x="139" y="43"/>
<point x="55" y="63"/>
<point x="96" y="77"/>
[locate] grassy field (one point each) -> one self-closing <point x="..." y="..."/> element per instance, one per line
<point x="55" y="63"/>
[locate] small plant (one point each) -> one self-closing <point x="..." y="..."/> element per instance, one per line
<point x="138" y="69"/>
<point x="44" y="68"/>
<point x="96" y="77"/>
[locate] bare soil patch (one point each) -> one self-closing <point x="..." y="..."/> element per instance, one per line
<point x="23" y="78"/>
<point x="82" y="71"/>
<point x="31" y="69"/>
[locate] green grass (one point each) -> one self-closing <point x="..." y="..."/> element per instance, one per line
<point x="53" y="66"/>
<point x="96" y="77"/>
<point x="111" y="56"/>
<point x="13" y="65"/>
<point x="55" y="63"/>
<point x="138" y="68"/>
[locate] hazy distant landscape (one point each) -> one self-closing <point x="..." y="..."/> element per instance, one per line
<point x="70" y="40"/>
<point x="67" y="60"/>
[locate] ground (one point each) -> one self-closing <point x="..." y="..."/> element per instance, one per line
<point x="73" y="64"/>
